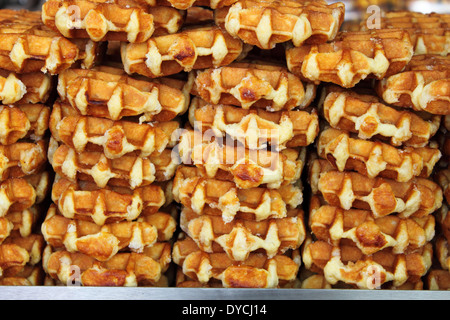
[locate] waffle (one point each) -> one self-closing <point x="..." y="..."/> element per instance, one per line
<point x="352" y="57"/>
<point x="256" y="128"/>
<point x="369" y="118"/>
<point x="441" y="252"/>
<point x="347" y="264"/>
<point x="33" y="87"/>
<point x="245" y="167"/>
<point x="422" y="85"/>
<point x="258" y="85"/>
<point x="113" y="138"/>
<point x="188" y="4"/>
<point x="430" y="33"/>
<point x="266" y="23"/>
<point x="128" y="171"/>
<point x="16" y="252"/>
<point x="443" y="220"/>
<point x="193" y="48"/>
<point x="28" y="276"/>
<point x="198" y="193"/>
<point x="29" y="46"/>
<point x="101" y="242"/>
<point x="257" y="271"/>
<point x="108" y="92"/>
<point x="85" y="201"/>
<point x="119" y="20"/>
<point x="417" y="197"/>
<point x="442" y="177"/>
<point x="438" y="279"/>
<point x="241" y="237"/>
<point x="375" y="159"/>
<point x="123" y="269"/>
<point x="20" y="223"/>
<point x="335" y="225"/>
<point x="21" y="121"/>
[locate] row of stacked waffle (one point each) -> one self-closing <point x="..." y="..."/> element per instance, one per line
<point x="180" y="131"/>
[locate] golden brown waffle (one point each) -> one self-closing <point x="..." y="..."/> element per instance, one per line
<point x="443" y="220"/>
<point x="250" y="84"/>
<point x="429" y="32"/>
<point x="187" y="4"/>
<point x="23" y="121"/>
<point x="374" y="158"/>
<point x="266" y="23"/>
<point x="336" y="225"/>
<point x="33" y="87"/>
<point x="108" y="92"/>
<point x="118" y="20"/>
<point x="368" y="117"/>
<point x="415" y="198"/>
<point x="101" y="242"/>
<point x="352" y="57"/>
<point x="193" y="48"/>
<point x="241" y="237"/>
<point x="127" y="171"/>
<point x="113" y="138"/>
<point x="442" y="177"/>
<point x="22" y="158"/>
<point x="85" y="201"/>
<point x="198" y="193"/>
<point x="123" y="269"/>
<point x="245" y="167"/>
<point x="346" y="263"/>
<point x="257" y="271"/>
<point x="255" y="128"/>
<point x="422" y="85"/>
<point x="29" y="46"/>
<point x="17" y="194"/>
<point x="438" y="279"/>
<point x="20" y="223"/>
<point x="28" y="276"/>
<point x="442" y="252"/>
<point x="16" y="252"/>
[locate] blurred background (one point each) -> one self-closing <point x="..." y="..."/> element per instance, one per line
<point x="354" y="8"/>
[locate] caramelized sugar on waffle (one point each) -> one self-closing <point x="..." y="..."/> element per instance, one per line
<point x="352" y="57"/>
<point x="266" y="23"/>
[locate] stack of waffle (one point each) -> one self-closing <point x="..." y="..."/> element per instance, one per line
<point x="373" y="201"/>
<point x="111" y="219"/>
<point x="244" y="149"/>
<point x="31" y="55"/>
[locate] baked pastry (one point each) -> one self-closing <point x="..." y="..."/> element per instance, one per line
<point x="199" y="193"/>
<point x="417" y="197"/>
<point x="85" y="201"/>
<point x="23" y="121"/>
<point x="123" y="269"/>
<point x="118" y="20"/>
<point x="253" y="84"/>
<point x="32" y="87"/>
<point x="429" y="32"/>
<point x="189" y="49"/>
<point x="374" y="158"/>
<point x="113" y="138"/>
<point x="240" y="237"/>
<point x="422" y="85"/>
<point x="367" y="116"/>
<point x="352" y="57"/>
<point x="257" y="271"/>
<point x="266" y="23"/>
<point x="30" y="46"/>
<point x="255" y="128"/>
<point x="335" y="225"/>
<point x="247" y="168"/>
<point x="110" y="93"/>
<point x="347" y="264"/>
